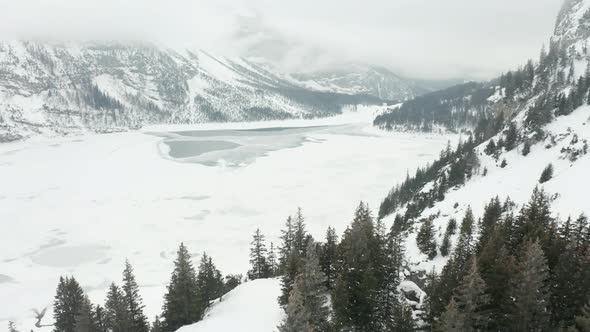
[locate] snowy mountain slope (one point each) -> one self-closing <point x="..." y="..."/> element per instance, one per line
<point x="251" y="307"/>
<point x="356" y="79"/>
<point x="518" y="179"/>
<point x="57" y="88"/>
<point x="546" y="105"/>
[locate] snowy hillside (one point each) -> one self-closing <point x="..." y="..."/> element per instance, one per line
<point x="60" y="88"/>
<point x="566" y="138"/>
<point x="375" y="81"/>
<point x="251" y="307"/>
<point x="540" y="109"/>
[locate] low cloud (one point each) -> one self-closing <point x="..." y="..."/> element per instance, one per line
<point x="418" y="38"/>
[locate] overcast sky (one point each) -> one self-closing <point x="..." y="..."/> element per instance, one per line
<point x="417" y="38"/>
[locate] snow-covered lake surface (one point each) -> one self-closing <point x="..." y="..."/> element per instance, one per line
<point x="81" y="205"/>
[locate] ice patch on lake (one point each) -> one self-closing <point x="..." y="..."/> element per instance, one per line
<point x="68" y="256"/>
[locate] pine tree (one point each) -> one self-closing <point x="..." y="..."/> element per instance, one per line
<point x="526" y="149"/>
<point x="465" y="245"/>
<point x="490" y="148"/>
<point x="452" y="319"/>
<point x="425" y="239"/>
<point x="532" y="222"/>
<point x="581" y="233"/>
<point x="328" y="257"/>
<point x="69" y="299"/>
<point x="100" y="318"/>
<point x="567" y="293"/>
<point x="209" y="283"/>
<point x="497" y="268"/>
<point x="272" y="260"/>
<point x="355" y="297"/>
<point x="471" y="300"/>
<point x="403" y="320"/>
<point x="291" y="270"/>
<point x="530" y="291"/>
<point x="117" y="316"/>
<point x="86" y="319"/>
<point x="492" y="215"/>
<point x="181" y="302"/>
<point x="389" y="296"/>
<point x="307" y="308"/>
<point x="427" y="309"/>
<point x="133" y="300"/>
<point x="445" y="247"/>
<point x="260" y="268"/>
<point x="300" y="235"/>
<point x="286" y="248"/>
<point x="547" y="174"/>
<point x="511" y="137"/>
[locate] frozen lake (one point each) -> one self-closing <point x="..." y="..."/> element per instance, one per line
<point x="81" y="205"/>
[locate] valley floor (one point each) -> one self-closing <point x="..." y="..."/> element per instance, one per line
<point x="81" y="205"/>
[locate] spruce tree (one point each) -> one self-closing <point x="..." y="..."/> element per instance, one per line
<point x="389" y="295"/>
<point x="402" y="319"/>
<point x="300" y="236"/>
<point x="355" y="297"/>
<point x="581" y="233"/>
<point x="547" y="174"/>
<point x="181" y="301"/>
<point x="568" y="291"/>
<point x="260" y="267"/>
<point x="273" y="263"/>
<point x="307" y="308"/>
<point x="86" y="319"/>
<point x="530" y="293"/>
<point x="511" y="137"/>
<point x="291" y="270"/>
<point x="490" y="148"/>
<point x="465" y="246"/>
<point x="452" y="319"/>
<point x="427" y="309"/>
<point x="100" y="318"/>
<point x="133" y="300"/>
<point x="285" y="250"/>
<point x="526" y="149"/>
<point x="471" y="300"/>
<point x="425" y="239"/>
<point x="445" y="247"/>
<point x="69" y="299"/>
<point x="117" y="316"/>
<point x="209" y="283"/>
<point x="328" y="257"/>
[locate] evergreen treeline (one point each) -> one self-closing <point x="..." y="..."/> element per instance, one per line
<point x="189" y="294"/>
<point x="551" y="81"/>
<point x="101" y="101"/>
<point x="525" y="272"/>
<point x="451" y="169"/>
<point x="449" y="108"/>
<point x="507" y="271"/>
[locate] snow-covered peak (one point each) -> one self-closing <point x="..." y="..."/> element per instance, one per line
<point x="573" y="21"/>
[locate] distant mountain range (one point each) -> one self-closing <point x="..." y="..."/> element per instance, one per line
<point x="62" y="88"/>
<point x="371" y="80"/>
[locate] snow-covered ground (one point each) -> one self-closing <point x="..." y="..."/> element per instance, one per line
<point x="251" y="307"/>
<point x="517" y="181"/>
<point x="81" y="205"/>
